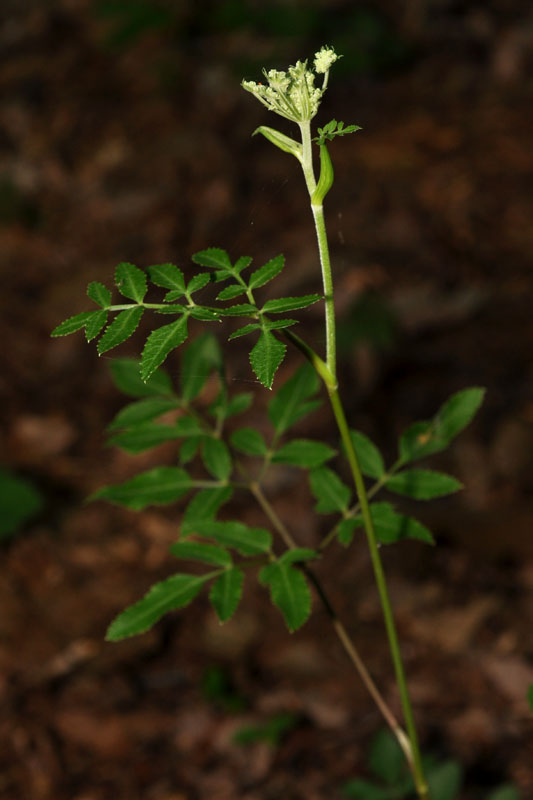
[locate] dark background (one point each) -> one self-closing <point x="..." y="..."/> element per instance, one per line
<point x="125" y="136"/>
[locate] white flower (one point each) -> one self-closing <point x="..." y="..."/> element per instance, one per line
<point x="324" y="59"/>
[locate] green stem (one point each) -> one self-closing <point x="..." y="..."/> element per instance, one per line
<point x="415" y="760"/>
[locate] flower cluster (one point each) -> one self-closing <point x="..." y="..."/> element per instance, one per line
<point x="293" y="94"/>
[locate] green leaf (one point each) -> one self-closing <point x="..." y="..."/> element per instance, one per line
<point x="172" y="593"/>
<point x="332" y="494"/>
<point x="368" y="455"/>
<point x="235" y="290"/>
<point x="204" y="506"/>
<point x="190" y="426"/>
<point x="198" y="551"/>
<point x="200" y="358"/>
<point x="266" y="356"/>
<point x="239" y="310"/>
<point x="226" y="593"/>
<point x="249" y="441"/>
<point x="216" y="458"/>
<point x="364" y="790"/>
<point x="142" y="411"/>
<point x="422" y="484"/>
<point x="241" y="263"/>
<point x="265" y="273"/>
<point x="289" y="403"/>
<point x="278" y="324"/>
<point x="387" y="760"/>
<point x="204" y="314"/>
<point x="198" y="282"/>
<point x="288" y="591"/>
<point x="99" y="293"/>
<point x="325" y="180"/>
<point x="424" y="438"/>
<point x="144" y="436"/>
<point x="168" y="276"/>
<point x="126" y="373"/>
<point x="247" y="541"/>
<point x="507" y="792"/>
<point x="95" y="324"/>
<point x="391" y="526"/>
<point x="213" y="257"/>
<point x="303" y="453"/>
<point x="131" y="281"/>
<point x="158" y="486"/>
<point x="285" y="304"/>
<point x="19" y="502"/>
<point x="282" y="141"/>
<point x="239" y="404"/>
<point x="253" y="326"/>
<point x="445" y="781"/>
<point x="122" y="327"/>
<point x="346" y="530"/>
<point x="297" y="554"/>
<point x="160" y="343"/>
<point x="73" y="324"/>
<point x="189" y="448"/>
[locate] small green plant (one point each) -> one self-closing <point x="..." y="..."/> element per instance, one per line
<point x="217" y="457"/>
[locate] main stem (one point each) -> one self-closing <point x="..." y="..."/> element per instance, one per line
<point x="413" y="752"/>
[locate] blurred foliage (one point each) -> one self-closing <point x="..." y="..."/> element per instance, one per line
<point x="14" y="207"/>
<point x="272" y="731"/>
<point x="19" y="502"/>
<point x="218" y="689"/>
<point x="369" y="321"/>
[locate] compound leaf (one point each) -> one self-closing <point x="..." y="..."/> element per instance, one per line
<point x="198" y="551"/>
<point x="198" y="282"/>
<point x="99" y="293"/>
<point x="253" y="326"/>
<point x="289" y="303"/>
<point x="200" y="358"/>
<point x="289" y="592"/>
<point x="303" y="453"/>
<point x="235" y="290"/>
<point x="122" y="327"/>
<point x="332" y="494"/>
<point x="213" y="257"/>
<point x="168" y="595"/>
<point x="247" y="541"/>
<point x="249" y="441"/>
<point x="422" y="484"/>
<point x="368" y="455"/>
<point x="160" y="343"/>
<point x="142" y="411"/>
<point x="390" y="526"/>
<point x="158" y="486"/>
<point x="204" y="506"/>
<point x="168" y="276"/>
<point x="266" y="356"/>
<point x="73" y="324"/>
<point x="296" y="554"/>
<point x="95" y="324"/>
<point x="265" y="273"/>
<point x="131" y="281"/>
<point x="226" y="593"/>
<point x="126" y="374"/>
<point x="289" y="403"/>
<point x="144" y="436"/>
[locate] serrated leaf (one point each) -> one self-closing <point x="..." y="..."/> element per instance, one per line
<point x="423" y="484"/>
<point x="285" y="304"/>
<point x="445" y="781"/>
<point x="160" y="343"/>
<point x="200" y="358"/>
<point x="172" y="593"/>
<point x="198" y="551"/>
<point x="122" y="327"/>
<point x="303" y="453"/>
<point x="296" y="554"/>
<point x="289" y="403"/>
<point x="247" y="541"/>
<point x="424" y="438"/>
<point x="265" y="273"/>
<point x="332" y="494"/>
<point x="235" y="290"/>
<point x="204" y="314"/>
<point x="99" y="293"/>
<point x="289" y="592"/>
<point x="249" y="441"/>
<point x="144" y="436"/>
<point x="204" y="506"/>
<point x="142" y="411"/>
<point x="95" y="324"/>
<point x="158" y="486"/>
<point x="241" y="263"/>
<point x="168" y="276"/>
<point x="278" y="324"/>
<point x="253" y="326"/>
<point x="368" y="455"/>
<point x="126" y="373"/>
<point x="226" y="593"/>
<point x="213" y="257"/>
<point x="216" y="458"/>
<point x="266" y="356"/>
<point x="346" y="530"/>
<point x="390" y="526"/>
<point x="239" y="310"/>
<point x="198" y="282"/>
<point x="131" y="281"/>
<point x="173" y="308"/>
<point x="73" y="324"/>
